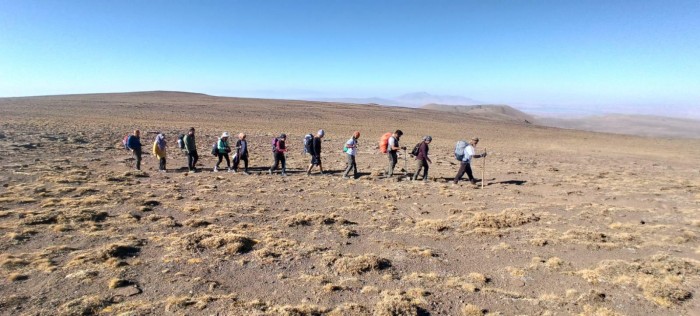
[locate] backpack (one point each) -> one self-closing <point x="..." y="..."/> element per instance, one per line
<point x="416" y="149"/>
<point x="274" y="144"/>
<point x="459" y="150"/>
<point x="384" y="142"/>
<point x="181" y="141"/>
<point x="215" y="149"/>
<point x="308" y="143"/>
<point x="125" y="141"/>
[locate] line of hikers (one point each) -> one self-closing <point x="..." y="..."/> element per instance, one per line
<point x="388" y="144"/>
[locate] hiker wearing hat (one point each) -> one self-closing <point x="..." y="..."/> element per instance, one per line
<point x="422" y="158"/>
<point x="159" y="146"/>
<point x="134" y="143"/>
<point x="392" y="152"/>
<point x="191" y="149"/>
<point x="350" y="153"/>
<point x="241" y="153"/>
<point x="316" y="152"/>
<point x="223" y="149"/>
<point x="278" y="149"/>
<point x="465" y="165"/>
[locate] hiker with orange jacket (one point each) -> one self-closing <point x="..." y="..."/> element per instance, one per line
<point x="392" y="152"/>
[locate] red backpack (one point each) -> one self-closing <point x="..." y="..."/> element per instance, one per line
<point x="384" y="142"/>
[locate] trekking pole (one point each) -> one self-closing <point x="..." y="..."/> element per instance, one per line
<point x="405" y="163"/>
<point x="483" y="171"/>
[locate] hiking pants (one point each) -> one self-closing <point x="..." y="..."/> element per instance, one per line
<point x="137" y="156"/>
<point x="279" y="158"/>
<point x="192" y="158"/>
<point x="421" y="164"/>
<point x="221" y="157"/>
<point x="351" y="165"/>
<point x="393" y="159"/>
<point x="464" y="166"/>
<point x="162" y="164"/>
<point x="238" y="160"/>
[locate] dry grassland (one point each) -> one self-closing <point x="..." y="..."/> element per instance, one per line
<point x="568" y="222"/>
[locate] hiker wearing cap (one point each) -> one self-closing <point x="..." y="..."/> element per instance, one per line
<point x="159" y="146"/>
<point x="465" y="165"/>
<point x="350" y="153"/>
<point x="241" y="153"/>
<point x="316" y="152"/>
<point x="392" y="152"/>
<point x="191" y="149"/>
<point x="279" y="148"/>
<point x="223" y="149"/>
<point x="422" y="158"/>
<point x="134" y="143"/>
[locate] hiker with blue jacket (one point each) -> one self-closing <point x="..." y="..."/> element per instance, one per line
<point x="134" y="144"/>
<point x="241" y="153"/>
<point x="279" y="149"/>
<point x="316" y="152"/>
<point x="191" y="149"/>
<point x="469" y="154"/>
<point x="222" y="151"/>
<point x="350" y="153"/>
<point x="422" y="158"/>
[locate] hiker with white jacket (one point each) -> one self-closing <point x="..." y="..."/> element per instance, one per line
<point x="469" y="153"/>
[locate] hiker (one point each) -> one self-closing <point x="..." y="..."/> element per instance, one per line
<point x="278" y="150"/>
<point x="350" y="153"/>
<point x="469" y="154"/>
<point x="191" y="149"/>
<point x="134" y="144"/>
<point x="392" y="148"/>
<point x="222" y="151"/>
<point x="159" y="151"/>
<point x="422" y="158"/>
<point x="316" y="153"/>
<point x="241" y="153"/>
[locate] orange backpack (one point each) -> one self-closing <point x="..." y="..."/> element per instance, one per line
<point x="384" y="142"/>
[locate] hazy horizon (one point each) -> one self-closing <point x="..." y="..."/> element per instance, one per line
<point x="572" y="57"/>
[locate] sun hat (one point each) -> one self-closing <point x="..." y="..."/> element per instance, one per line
<point x="224" y="135"/>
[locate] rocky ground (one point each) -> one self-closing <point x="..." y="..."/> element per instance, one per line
<point x="568" y="222"/>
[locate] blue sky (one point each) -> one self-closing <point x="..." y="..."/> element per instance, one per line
<point x="636" y="56"/>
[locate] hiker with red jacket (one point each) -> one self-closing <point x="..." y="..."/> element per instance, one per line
<point x="392" y="148"/>
<point x="278" y="150"/>
<point x="422" y="158"/>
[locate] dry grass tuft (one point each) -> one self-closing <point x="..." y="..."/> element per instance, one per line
<point x="360" y="264"/>
<point x="505" y="219"/>
<point x="471" y="310"/>
<point x="87" y="305"/>
<point x="397" y="305"/>
<point x="217" y="239"/>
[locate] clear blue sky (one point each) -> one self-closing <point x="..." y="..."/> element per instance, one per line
<point x="633" y="54"/>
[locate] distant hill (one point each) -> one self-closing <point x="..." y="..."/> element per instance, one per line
<point x="495" y="112"/>
<point x="641" y="125"/>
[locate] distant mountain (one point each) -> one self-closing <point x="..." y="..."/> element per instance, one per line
<point x="641" y="125"/>
<point x="416" y="99"/>
<point x="423" y="98"/>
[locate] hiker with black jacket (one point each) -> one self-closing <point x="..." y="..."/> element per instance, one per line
<point x="134" y="144"/>
<point x="316" y="152"/>
<point x="191" y="149"/>
<point x="278" y="150"/>
<point x="469" y="154"/>
<point x="392" y="152"/>
<point x="422" y="158"/>
<point x="241" y="153"/>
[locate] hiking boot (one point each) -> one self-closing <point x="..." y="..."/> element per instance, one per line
<point x="230" y="170"/>
<point x="246" y="172"/>
<point x="283" y="174"/>
<point x="472" y="181"/>
<point x="216" y="169"/>
<point x="269" y="171"/>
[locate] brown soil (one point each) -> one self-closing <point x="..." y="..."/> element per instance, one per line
<point x="569" y="222"/>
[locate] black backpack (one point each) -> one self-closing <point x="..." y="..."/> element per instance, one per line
<point x="308" y="143"/>
<point x="181" y="141"/>
<point x="416" y="149"/>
